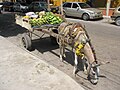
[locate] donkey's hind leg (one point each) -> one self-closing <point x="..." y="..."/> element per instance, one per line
<point x="62" y="52"/>
<point x="75" y="64"/>
<point x="61" y="49"/>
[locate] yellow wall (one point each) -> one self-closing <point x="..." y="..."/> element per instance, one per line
<point x="100" y="3"/>
<point x="115" y="3"/>
<point x="97" y="3"/>
<point x="57" y="2"/>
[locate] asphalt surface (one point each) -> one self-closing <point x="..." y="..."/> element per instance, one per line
<point x="105" y="37"/>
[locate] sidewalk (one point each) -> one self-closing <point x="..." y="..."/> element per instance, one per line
<point x="106" y="19"/>
<point x="21" y="70"/>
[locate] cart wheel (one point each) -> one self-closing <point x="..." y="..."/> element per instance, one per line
<point x="26" y="41"/>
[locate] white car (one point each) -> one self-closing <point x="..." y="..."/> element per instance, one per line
<point x="1" y="4"/>
<point x="82" y="10"/>
<point x="116" y="16"/>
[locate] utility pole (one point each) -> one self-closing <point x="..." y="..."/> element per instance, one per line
<point x="61" y="7"/>
<point x="48" y="1"/>
<point x="108" y="7"/>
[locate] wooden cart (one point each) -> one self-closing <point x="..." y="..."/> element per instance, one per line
<point x="45" y="29"/>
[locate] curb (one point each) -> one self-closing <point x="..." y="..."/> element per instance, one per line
<point x="106" y="17"/>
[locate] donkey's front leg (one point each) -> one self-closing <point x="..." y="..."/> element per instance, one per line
<point x="85" y="65"/>
<point x="75" y="64"/>
<point x="62" y="52"/>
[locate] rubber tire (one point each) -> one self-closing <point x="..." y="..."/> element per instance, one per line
<point x="117" y="21"/>
<point x="26" y="41"/>
<point x="85" y="17"/>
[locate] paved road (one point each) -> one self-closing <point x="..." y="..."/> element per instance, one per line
<point x="105" y="38"/>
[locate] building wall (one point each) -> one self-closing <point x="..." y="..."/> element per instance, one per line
<point x="57" y="2"/>
<point x="100" y="3"/>
<point x="96" y="3"/>
<point x="115" y="3"/>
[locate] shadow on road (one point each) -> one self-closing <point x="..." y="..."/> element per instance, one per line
<point x="43" y="45"/>
<point x="8" y="27"/>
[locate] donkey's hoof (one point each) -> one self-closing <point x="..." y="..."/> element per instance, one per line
<point x="85" y="72"/>
<point x="64" y="56"/>
<point x="61" y="59"/>
<point x="75" y="71"/>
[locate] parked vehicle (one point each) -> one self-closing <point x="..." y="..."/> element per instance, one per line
<point x="1" y="4"/>
<point x="20" y="7"/>
<point x="7" y="6"/>
<point x="82" y="10"/>
<point x="116" y="16"/>
<point x="54" y="9"/>
<point x="38" y="6"/>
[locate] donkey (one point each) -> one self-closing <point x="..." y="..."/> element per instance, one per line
<point x="75" y="35"/>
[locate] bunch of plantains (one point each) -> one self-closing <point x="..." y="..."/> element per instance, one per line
<point x="46" y="18"/>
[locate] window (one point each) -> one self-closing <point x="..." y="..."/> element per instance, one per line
<point x="36" y="5"/>
<point x="43" y="5"/>
<point x="68" y="5"/>
<point x="31" y="5"/>
<point x="75" y="5"/>
<point x="17" y="4"/>
<point x="84" y="5"/>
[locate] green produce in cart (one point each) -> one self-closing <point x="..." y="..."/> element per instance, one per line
<point x="47" y="18"/>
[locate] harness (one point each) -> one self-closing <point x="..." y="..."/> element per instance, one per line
<point x="78" y="49"/>
<point x="74" y="35"/>
<point x="79" y="44"/>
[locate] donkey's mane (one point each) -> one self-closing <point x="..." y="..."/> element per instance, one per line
<point x="76" y="25"/>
